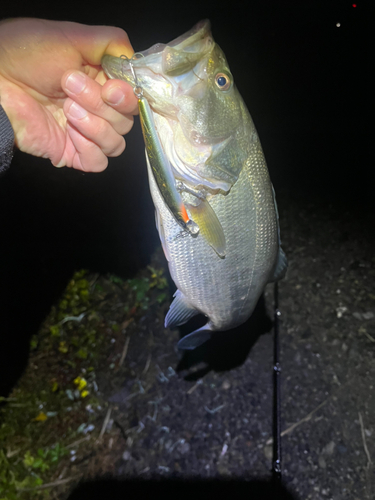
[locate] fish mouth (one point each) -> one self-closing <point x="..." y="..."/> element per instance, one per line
<point x="158" y="65"/>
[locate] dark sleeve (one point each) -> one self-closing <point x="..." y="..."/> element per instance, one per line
<point x="6" y="141"/>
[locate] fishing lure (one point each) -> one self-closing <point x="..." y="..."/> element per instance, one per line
<point x="159" y="163"/>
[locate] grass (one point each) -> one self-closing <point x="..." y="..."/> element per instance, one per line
<point x="55" y="411"/>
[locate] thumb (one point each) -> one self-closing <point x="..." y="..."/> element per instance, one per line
<point x="95" y="41"/>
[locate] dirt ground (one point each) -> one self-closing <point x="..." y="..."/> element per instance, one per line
<point x="206" y="416"/>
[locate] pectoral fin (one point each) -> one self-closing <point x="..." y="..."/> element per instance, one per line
<point x="209" y="225"/>
<point x="195" y="339"/>
<point x="180" y="311"/>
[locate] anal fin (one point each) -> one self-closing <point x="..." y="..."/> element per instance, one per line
<point x="180" y="311"/>
<point x="195" y="339"/>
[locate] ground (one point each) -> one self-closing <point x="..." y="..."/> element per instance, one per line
<point x="113" y="398"/>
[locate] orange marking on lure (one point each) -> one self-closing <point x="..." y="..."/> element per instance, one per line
<point x="184" y="214"/>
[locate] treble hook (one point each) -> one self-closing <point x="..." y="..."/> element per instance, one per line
<point x="138" y="90"/>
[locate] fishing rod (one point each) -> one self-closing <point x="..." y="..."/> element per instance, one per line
<point x="276" y="464"/>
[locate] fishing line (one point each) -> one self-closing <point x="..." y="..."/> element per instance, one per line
<point x="276" y="465"/>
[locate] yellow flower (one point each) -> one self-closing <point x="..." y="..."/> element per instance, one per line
<point x="81" y="382"/>
<point x="41" y="417"/>
<point x="63" y="347"/>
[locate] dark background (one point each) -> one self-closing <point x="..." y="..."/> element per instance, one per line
<point x="306" y="84"/>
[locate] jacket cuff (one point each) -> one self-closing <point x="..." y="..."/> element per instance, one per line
<point x="6" y="141"/>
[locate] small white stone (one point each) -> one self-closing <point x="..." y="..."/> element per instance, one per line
<point x="368" y="315"/>
<point x="340" y="311"/>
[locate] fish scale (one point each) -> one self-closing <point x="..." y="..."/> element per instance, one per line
<point x="249" y="222"/>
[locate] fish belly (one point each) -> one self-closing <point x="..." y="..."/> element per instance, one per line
<point x="226" y="289"/>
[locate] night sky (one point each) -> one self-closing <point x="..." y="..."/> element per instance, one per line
<point x="302" y="68"/>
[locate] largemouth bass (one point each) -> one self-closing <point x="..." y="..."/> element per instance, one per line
<point x="214" y="166"/>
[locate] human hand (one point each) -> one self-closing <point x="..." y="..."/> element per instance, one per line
<point x="58" y="99"/>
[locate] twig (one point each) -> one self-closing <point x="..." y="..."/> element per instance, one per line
<point x="124" y="352"/>
<point x="192" y="389"/>
<point x="50" y="485"/>
<point x="147" y="365"/>
<point x="369" y="461"/>
<point x="75" y="443"/>
<point x="73" y="318"/>
<point x="369" y="336"/>
<point x="215" y="410"/>
<point x="305" y="419"/>
<point x="62" y="474"/>
<point x="12" y="453"/>
<point x="125" y="324"/>
<point x="120" y="427"/>
<point x="94" y="280"/>
<point x="105" y="423"/>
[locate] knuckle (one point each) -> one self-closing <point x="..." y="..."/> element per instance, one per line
<point x="120" y="33"/>
<point x="96" y="162"/>
<point x="117" y="149"/>
<point x="126" y="126"/>
<point x="94" y="100"/>
<point x="102" y="165"/>
<point x="100" y="128"/>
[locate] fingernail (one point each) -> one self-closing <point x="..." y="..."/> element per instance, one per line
<point x="76" y="83"/>
<point x="76" y="111"/>
<point x="115" y="95"/>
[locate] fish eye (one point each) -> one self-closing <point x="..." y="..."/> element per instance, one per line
<point x="223" y="81"/>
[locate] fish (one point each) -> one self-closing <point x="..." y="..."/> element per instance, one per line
<point x="215" y="205"/>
